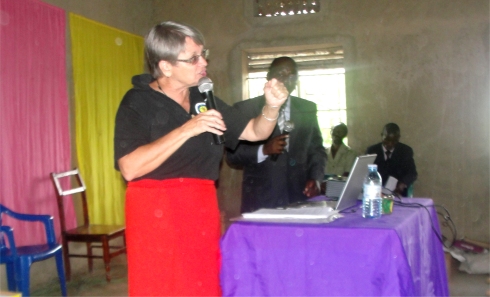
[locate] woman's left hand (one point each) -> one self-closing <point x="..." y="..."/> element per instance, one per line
<point x="275" y="93"/>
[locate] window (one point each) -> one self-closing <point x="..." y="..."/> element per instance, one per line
<point x="321" y="80"/>
<point x="272" y="8"/>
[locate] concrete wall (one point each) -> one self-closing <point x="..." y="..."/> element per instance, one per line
<point x="421" y="64"/>
<point x="134" y="16"/>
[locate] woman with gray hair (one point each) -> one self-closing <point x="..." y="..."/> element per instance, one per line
<point x="163" y="147"/>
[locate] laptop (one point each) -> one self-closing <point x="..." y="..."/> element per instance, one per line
<point x="353" y="186"/>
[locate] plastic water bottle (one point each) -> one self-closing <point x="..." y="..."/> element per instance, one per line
<point x="372" y="203"/>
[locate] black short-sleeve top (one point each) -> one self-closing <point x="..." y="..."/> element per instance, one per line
<point x="144" y="115"/>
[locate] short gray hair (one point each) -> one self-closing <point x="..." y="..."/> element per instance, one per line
<point x="166" y="41"/>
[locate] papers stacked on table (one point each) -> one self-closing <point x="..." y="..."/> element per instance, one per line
<point x="303" y="213"/>
<point x="334" y="187"/>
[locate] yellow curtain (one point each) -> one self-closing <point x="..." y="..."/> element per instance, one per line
<point x="104" y="60"/>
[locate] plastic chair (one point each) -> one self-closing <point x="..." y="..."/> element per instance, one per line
<point x="18" y="259"/>
<point x="410" y="191"/>
<point x="94" y="236"/>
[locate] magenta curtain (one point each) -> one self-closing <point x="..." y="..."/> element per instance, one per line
<point x="34" y="111"/>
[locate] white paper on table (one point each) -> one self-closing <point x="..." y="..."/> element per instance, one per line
<point x="391" y="183"/>
<point x="303" y="213"/>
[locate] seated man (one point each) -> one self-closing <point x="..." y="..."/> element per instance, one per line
<point x="394" y="159"/>
<point x="339" y="156"/>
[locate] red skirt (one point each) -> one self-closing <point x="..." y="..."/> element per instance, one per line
<point x="172" y="237"/>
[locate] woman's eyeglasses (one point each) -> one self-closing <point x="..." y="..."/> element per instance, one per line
<point x="194" y="59"/>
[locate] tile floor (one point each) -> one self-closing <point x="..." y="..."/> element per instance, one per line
<point x="86" y="284"/>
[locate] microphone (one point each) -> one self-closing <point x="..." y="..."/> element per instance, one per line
<point x="205" y="85"/>
<point x="288" y="127"/>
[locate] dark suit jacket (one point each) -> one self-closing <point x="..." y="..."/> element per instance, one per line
<point x="271" y="184"/>
<point x="400" y="165"/>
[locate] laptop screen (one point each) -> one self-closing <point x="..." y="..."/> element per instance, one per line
<point x="353" y="185"/>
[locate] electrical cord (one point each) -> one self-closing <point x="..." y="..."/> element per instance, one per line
<point x="418" y="205"/>
<point x="448" y="222"/>
<point x="447" y="217"/>
<point x="394" y="194"/>
<point x="397" y="200"/>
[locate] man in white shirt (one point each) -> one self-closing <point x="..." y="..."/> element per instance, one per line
<point x="340" y="157"/>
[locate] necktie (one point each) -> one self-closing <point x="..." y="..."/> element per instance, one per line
<point x="281" y="119"/>
<point x="388" y="154"/>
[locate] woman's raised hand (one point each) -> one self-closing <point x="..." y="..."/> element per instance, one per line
<point x="275" y="93"/>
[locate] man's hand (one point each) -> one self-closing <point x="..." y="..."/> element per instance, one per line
<point x="312" y="188"/>
<point x="275" y="145"/>
<point x="400" y="187"/>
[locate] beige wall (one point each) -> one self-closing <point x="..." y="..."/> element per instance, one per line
<point x="421" y="64"/>
<point x="134" y="16"/>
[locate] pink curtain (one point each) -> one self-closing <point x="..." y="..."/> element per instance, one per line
<point x="34" y="111"/>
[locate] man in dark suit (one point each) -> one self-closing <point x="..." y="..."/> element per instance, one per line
<point x="394" y="159"/>
<point x="285" y="168"/>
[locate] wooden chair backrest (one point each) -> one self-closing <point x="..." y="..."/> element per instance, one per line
<point x="61" y="193"/>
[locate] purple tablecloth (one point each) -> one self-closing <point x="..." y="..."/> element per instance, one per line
<point x="397" y="255"/>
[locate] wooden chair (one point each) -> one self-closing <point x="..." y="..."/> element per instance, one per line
<point x="18" y="259"/>
<point x="95" y="236"/>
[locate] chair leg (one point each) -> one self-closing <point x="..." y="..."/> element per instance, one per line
<point x="66" y="257"/>
<point x="107" y="259"/>
<point x="11" y="282"/>
<point x="89" y="257"/>
<point x="23" y="275"/>
<point x="61" y="272"/>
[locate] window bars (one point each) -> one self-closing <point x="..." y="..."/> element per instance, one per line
<point x="270" y="8"/>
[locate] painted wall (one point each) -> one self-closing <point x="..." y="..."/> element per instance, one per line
<point x="127" y="15"/>
<point x="421" y="64"/>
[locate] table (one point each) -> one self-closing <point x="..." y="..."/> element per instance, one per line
<point x="397" y="255"/>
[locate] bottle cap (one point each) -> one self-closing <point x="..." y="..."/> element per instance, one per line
<point x="373" y="166"/>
